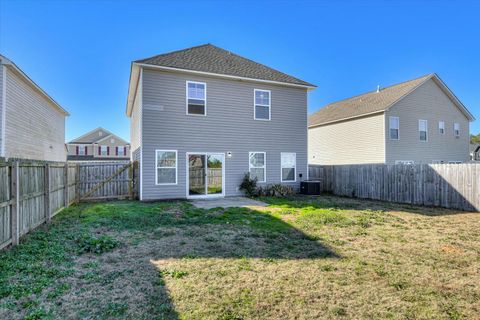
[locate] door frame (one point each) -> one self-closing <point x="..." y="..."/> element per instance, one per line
<point x="187" y="175"/>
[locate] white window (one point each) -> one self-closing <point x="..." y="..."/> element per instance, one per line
<point x="423" y="130"/>
<point x="196" y="98"/>
<point x="262" y="104"/>
<point x="404" y="162"/>
<point x="166" y="167"/>
<point x="394" y="125"/>
<point x="257" y="166"/>
<point x="104" y="150"/>
<point x="456" y="129"/>
<point x="81" y="150"/>
<point x="289" y="164"/>
<point x="441" y="127"/>
<point x="121" y="150"/>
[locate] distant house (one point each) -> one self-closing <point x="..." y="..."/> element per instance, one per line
<point x="475" y="152"/>
<point x="202" y="117"/>
<point x="418" y="121"/>
<point x="32" y="123"/>
<point x="98" y="145"/>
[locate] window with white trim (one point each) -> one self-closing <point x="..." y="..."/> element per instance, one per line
<point x="81" y="150"/>
<point x="166" y="167"/>
<point x="196" y="98"/>
<point x="121" y="150"/>
<point x="441" y="127"/>
<point x="394" y="125"/>
<point x="423" y="130"/>
<point x="456" y="129"/>
<point x="257" y="165"/>
<point x="104" y="150"/>
<point x="288" y="166"/>
<point x="262" y="104"/>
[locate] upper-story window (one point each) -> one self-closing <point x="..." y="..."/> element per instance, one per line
<point x="104" y="150"/>
<point x="262" y="104"/>
<point x="196" y="98"/>
<point x="441" y="127"/>
<point x="423" y="130"/>
<point x="456" y="129"/>
<point x="81" y="150"/>
<point x="394" y="125"/>
<point x="121" y="151"/>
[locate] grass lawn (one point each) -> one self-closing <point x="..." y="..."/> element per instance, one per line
<point x="299" y="258"/>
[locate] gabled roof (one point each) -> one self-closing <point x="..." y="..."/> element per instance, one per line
<point x="376" y="102"/>
<point x="9" y="63"/>
<point x="208" y="59"/>
<point x="97" y="138"/>
<point x="212" y="59"/>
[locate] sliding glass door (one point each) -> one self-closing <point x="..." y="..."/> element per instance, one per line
<point x="205" y="174"/>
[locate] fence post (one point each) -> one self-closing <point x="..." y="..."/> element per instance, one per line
<point x="130" y="181"/>
<point x="46" y="187"/>
<point x="77" y="184"/>
<point x="65" y="185"/>
<point x="15" y="196"/>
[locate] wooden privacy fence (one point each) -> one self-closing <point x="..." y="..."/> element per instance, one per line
<point x="32" y="192"/>
<point x="106" y="180"/>
<point x="455" y="186"/>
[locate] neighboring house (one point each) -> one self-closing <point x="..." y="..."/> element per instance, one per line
<point x="203" y="117"/>
<point x="32" y="123"/>
<point x="97" y="145"/>
<point x="418" y="121"/>
<point x="475" y="152"/>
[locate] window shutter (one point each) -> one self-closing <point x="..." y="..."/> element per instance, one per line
<point x="108" y="151"/>
<point x="99" y="150"/>
<point x="116" y="151"/>
<point x="86" y="152"/>
<point x="76" y="150"/>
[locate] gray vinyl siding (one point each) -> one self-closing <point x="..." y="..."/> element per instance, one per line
<point x="34" y="128"/>
<point x="136" y="154"/>
<point x="228" y="127"/>
<point x="428" y="102"/>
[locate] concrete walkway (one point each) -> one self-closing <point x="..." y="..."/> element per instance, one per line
<point x="227" y="202"/>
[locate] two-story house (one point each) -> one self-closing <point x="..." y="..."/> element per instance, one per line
<point x="32" y="124"/>
<point x="203" y="117"/>
<point x="417" y="121"/>
<point x="97" y="145"/>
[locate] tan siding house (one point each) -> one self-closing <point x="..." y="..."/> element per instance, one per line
<point x="97" y="145"/>
<point x="419" y="121"/>
<point x="32" y="123"/>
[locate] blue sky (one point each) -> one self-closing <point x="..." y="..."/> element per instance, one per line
<point x="80" y="51"/>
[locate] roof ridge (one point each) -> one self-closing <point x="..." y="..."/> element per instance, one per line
<point x="387" y="87"/>
<point x="175" y="51"/>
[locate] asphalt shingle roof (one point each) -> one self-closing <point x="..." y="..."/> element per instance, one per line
<point x="367" y="103"/>
<point x="212" y="59"/>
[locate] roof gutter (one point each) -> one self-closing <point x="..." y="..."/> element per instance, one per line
<point x="17" y="70"/>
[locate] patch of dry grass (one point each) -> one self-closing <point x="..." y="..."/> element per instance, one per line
<point x="299" y="258"/>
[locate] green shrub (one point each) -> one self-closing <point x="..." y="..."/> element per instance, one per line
<point x="249" y="185"/>
<point x="98" y="245"/>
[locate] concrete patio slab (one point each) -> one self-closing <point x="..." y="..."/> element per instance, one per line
<point x="229" y="202"/>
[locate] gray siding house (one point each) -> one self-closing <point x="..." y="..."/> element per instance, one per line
<point x="417" y="121"/>
<point x="32" y="124"/>
<point x="203" y="117"/>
